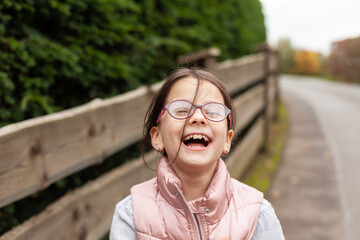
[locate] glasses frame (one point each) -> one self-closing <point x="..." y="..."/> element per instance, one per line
<point x="195" y="106"/>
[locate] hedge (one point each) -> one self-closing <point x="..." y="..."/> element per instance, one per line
<point x="85" y="49"/>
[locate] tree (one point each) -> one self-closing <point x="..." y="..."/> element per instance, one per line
<point x="286" y="54"/>
<point x="306" y="62"/>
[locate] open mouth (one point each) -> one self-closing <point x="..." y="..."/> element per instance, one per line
<point x="196" y="141"/>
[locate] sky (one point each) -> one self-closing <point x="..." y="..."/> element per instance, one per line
<point x="311" y="24"/>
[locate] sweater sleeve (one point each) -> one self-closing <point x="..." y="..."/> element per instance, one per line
<point x="268" y="226"/>
<point x="123" y="226"/>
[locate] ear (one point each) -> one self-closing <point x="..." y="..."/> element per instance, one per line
<point x="156" y="140"/>
<point x="227" y="145"/>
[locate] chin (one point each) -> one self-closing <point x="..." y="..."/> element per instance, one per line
<point x="198" y="160"/>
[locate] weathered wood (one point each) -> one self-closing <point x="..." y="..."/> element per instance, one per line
<point x="247" y="106"/>
<point x="241" y="72"/>
<point x="246" y="150"/>
<point x="85" y="213"/>
<point x="274" y="62"/>
<point x="204" y="58"/>
<point x="38" y="152"/>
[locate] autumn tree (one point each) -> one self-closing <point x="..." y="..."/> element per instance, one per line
<point x="306" y="62"/>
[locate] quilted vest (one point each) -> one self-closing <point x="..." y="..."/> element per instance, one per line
<point x="229" y="209"/>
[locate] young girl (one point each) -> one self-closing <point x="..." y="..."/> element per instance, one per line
<point x="190" y="122"/>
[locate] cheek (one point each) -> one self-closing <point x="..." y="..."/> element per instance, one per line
<point x="222" y="135"/>
<point x="171" y="134"/>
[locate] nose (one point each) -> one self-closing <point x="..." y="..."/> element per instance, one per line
<point x="197" y="117"/>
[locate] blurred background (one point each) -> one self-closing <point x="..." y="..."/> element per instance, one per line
<point x="316" y="38"/>
<point x="319" y="40"/>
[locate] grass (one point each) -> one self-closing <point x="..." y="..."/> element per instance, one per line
<point x="259" y="174"/>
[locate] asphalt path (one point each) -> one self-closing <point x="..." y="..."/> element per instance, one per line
<point x="316" y="192"/>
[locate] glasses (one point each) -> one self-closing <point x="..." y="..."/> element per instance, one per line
<point x="182" y="109"/>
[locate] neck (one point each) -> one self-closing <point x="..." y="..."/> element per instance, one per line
<point x="195" y="183"/>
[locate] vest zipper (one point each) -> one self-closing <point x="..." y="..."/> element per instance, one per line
<point x="195" y="221"/>
<point x="198" y="225"/>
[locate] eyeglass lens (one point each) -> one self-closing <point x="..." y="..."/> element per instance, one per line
<point x="184" y="109"/>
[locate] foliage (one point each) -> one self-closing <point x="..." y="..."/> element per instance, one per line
<point x="99" y="48"/>
<point x="286" y="50"/>
<point x="306" y="62"/>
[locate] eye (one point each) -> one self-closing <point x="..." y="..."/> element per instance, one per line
<point x="181" y="112"/>
<point x="180" y="109"/>
<point x="214" y="111"/>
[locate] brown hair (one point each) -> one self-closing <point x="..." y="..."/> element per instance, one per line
<point x="158" y="101"/>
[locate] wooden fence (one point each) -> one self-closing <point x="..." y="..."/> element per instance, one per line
<point x="38" y="152"/>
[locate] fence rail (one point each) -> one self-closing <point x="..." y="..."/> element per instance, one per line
<point x="37" y="152"/>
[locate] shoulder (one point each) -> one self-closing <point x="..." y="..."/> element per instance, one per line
<point x="268" y="225"/>
<point x="266" y="208"/>
<point x="125" y="205"/>
<point x="246" y="193"/>
<point x="123" y="226"/>
<point x="144" y="187"/>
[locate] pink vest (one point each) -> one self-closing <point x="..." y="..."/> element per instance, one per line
<point x="228" y="209"/>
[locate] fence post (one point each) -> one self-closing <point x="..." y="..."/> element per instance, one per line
<point x="206" y="58"/>
<point x="265" y="49"/>
<point x="277" y="90"/>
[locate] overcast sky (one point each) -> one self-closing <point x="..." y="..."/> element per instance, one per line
<point x="312" y="24"/>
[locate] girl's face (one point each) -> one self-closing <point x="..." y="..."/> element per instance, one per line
<point x="194" y="153"/>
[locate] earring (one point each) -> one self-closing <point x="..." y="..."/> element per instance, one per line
<point x="226" y="152"/>
<point x="160" y="151"/>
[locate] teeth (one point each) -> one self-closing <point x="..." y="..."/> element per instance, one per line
<point x="196" y="136"/>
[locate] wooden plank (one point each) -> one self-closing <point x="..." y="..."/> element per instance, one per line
<point x="39" y="151"/>
<point x="22" y="154"/>
<point x="247" y="106"/>
<point x="274" y="62"/>
<point x="200" y="55"/>
<point x="85" y="213"/>
<point x="245" y="151"/>
<point x="241" y="72"/>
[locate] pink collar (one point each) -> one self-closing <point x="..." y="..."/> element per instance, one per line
<point x="216" y="200"/>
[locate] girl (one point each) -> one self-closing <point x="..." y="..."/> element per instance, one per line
<point x="190" y="122"/>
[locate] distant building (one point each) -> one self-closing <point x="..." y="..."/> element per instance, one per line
<point x="344" y="60"/>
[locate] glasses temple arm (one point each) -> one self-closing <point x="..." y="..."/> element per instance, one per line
<point x="230" y="121"/>
<point x="160" y="115"/>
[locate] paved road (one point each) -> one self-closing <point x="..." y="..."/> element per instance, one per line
<point x="316" y="192"/>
